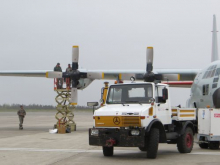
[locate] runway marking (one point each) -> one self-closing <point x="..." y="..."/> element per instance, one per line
<point x="63" y="150"/>
<point x="94" y="151"/>
<point x="205" y="153"/>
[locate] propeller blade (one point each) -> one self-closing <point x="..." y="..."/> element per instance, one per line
<point x="95" y="75"/>
<point x="74" y="96"/>
<point x="75" y="57"/>
<point x="54" y="74"/>
<point x="149" y="59"/>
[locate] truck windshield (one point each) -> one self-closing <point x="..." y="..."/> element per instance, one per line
<point x="131" y="93"/>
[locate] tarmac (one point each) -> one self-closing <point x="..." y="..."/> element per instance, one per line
<point x="35" y="145"/>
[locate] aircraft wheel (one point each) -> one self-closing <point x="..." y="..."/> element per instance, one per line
<point x="214" y="145"/>
<point x="204" y="145"/>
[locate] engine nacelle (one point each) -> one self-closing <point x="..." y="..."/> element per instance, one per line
<point x="83" y="83"/>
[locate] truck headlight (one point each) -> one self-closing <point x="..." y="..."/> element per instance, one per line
<point x="94" y="132"/>
<point x="135" y="132"/>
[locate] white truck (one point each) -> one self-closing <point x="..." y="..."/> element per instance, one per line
<point x="140" y="115"/>
<point x="208" y="128"/>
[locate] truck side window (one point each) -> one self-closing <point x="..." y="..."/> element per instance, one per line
<point x="159" y="95"/>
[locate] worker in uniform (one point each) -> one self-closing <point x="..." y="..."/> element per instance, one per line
<point x="68" y="80"/>
<point x="59" y="83"/>
<point x="21" y="114"/>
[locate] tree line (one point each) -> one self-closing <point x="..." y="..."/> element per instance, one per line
<point x="34" y="106"/>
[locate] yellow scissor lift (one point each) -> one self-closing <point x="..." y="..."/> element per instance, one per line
<point x="64" y="113"/>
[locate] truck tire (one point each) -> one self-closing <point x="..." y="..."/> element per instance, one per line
<point x="204" y="145"/>
<point x="107" y="151"/>
<point x="185" y="141"/>
<point x="214" y="145"/>
<point x="152" y="143"/>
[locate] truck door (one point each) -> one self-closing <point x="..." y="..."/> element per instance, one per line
<point x="163" y="111"/>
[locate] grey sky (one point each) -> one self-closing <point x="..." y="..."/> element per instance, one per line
<point x="111" y="34"/>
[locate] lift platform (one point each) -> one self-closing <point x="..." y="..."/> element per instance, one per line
<point x="64" y="113"/>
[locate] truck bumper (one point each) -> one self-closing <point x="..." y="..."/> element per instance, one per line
<point x="117" y="137"/>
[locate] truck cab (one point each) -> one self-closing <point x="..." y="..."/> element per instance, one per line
<point x="139" y="98"/>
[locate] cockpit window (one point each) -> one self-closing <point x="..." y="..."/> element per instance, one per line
<point x="211" y="72"/>
<point x="217" y="73"/>
<point x="135" y="94"/>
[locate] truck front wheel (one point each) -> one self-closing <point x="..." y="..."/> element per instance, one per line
<point x="152" y="143"/>
<point x="185" y="141"/>
<point x="108" y="151"/>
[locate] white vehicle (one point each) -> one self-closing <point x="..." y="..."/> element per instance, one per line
<point x="208" y="128"/>
<point x="140" y="115"/>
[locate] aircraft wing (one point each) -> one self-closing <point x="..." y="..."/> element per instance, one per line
<point x="168" y="74"/>
<point x="24" y="73"/>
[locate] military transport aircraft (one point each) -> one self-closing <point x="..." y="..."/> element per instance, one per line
<point x="205" y="89"/>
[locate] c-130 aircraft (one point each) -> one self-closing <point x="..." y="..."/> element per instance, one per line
<point x="205" y="89"/>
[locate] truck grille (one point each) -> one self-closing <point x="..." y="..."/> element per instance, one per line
<point x="117" y="121"/>
<point x="130" y="121"/>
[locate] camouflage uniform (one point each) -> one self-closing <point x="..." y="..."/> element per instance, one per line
<point x="68" y="83"/>
<point x="68" y="69"/>
<point x="57" y="69"/>
<point x="21" y="114"/>
<point x="59" y="80"/>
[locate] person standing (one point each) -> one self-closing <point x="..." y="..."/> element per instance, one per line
<point x="21" y="114"/>
<point x="69" y="69"/>
<point x="59" y="84"/>
<point x="68" y="80"/>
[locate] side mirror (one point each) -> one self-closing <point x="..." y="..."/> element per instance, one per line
<point x="92" y="104"/>
<point x="165" y="93"/>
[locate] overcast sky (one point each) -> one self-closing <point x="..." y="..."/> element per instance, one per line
<point x="111" y="34"/>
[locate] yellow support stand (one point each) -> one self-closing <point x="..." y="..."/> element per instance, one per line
<point x="104" y="94"/>
<point x="64" y="109"/>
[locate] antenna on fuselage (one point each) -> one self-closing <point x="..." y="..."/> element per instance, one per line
<point x="214" y="41"/>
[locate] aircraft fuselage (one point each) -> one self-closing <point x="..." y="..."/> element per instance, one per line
<point x="205" y="90"/>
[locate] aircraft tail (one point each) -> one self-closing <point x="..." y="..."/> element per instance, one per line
<point x="214" y="41"/>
